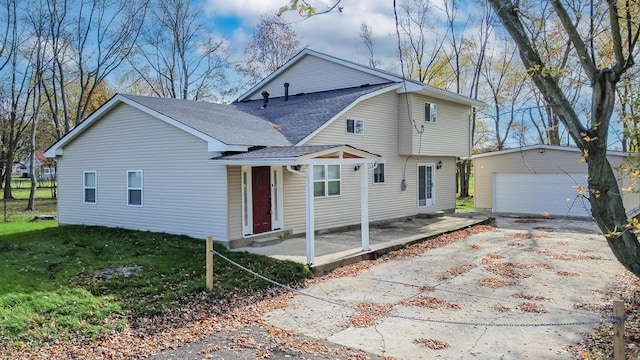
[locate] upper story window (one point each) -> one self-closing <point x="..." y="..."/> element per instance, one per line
<point x="89" y="187"/>
<point x="326" y="180"/>
<point x="134" y="187"/>
<point x="378" y="174"/>
<point x="430" y="112"/>
<point x="355" y="127"/>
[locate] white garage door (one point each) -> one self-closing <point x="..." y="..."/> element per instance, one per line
<point x="540" y="193"/>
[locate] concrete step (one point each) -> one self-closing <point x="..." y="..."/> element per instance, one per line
<point x="266" y="241"/>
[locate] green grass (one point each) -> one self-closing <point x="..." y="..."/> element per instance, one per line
<point x="466" y="204"/>
<point x="48" y="291"/>
<point x="15" y="207"/>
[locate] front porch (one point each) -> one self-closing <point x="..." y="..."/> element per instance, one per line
<point x="336" y="249"/>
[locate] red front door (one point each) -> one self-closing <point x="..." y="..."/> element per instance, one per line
<point x="261" y="196"/>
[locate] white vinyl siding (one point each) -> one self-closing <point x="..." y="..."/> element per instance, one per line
<point x="385" y="202"/>
<point x="448" y="136"/>
<point x="184" y="192"/>
<point x="134" y="188"/>
<point x="89" y="187"/>
<point x="235" y="198"/>
<point x="313" y="74"/>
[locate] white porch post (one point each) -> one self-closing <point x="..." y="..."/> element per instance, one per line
<point x="364" y="206"/>
<point x="310" y="231"/>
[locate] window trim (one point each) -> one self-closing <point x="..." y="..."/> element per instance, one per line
<point x="85" y="187"/>
<point x="326" y="180"/>
<point x="430" y="116"/>
<point x="379" y="166"/>
<point x="141" y="188"/>
<point x="355" y="126"/>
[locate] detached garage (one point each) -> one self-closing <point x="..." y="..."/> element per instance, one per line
<point x="538" y="179"/>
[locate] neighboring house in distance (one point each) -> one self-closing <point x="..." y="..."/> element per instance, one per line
<point x="540" y="179"/>
<point x="44" y="167"/>
<point x="320" y="143"/>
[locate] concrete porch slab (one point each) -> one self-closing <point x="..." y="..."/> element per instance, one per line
<point x="336" y="249"/>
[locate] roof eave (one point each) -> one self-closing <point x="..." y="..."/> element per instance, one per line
<point x="441" y="94"/>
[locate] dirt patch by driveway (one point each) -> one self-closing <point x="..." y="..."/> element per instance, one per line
<point x="517" y="292"/>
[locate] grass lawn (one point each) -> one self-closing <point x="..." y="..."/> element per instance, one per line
<point x="466" y="204"/>
<point x="48" y="291"/>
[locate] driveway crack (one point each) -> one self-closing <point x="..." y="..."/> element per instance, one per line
<point x="475" y="343"/>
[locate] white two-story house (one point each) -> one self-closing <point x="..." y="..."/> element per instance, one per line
<point x="320" y="143"/>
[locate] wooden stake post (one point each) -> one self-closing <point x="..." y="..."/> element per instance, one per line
<point x="209" y="263"/>
<point x="618" y="330"/>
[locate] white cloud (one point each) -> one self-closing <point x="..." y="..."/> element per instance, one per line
<point x="243" y="9"/>
<point x="336" y="33"/>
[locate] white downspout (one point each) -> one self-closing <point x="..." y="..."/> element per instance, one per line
<point x="310" y="230"/>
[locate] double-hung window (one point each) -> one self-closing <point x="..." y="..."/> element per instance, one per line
<point x="326" y="180"/>
<point x="134" y="187"/>
<point x="430" y="112"/>
<point x="89" y="187"/>
<point x="378" y="174"/>
<point x="355" y="127"/>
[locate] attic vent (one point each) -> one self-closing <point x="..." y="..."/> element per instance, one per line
<point x="365" y="85"/>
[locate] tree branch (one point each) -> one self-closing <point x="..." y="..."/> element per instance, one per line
<point x="548" y="85"/>
<point x="583" y="54"/>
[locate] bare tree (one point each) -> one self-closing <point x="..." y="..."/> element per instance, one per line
<point x="421" y="54"/>
<point x="273" y="43"/>
<point x="176" y="58"/>
<point x="35" y="56"/>
<point x="629" y="99"/>
<point x="88" y="41"/>
<point x="367" y="39"/>
<point x="603" y="70"/>
<point x="16" y="97"/>
<point x="505" y="81"/>
<point x="7" y="46"/>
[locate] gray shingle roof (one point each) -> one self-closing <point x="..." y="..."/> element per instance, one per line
<point x="301" y="115"/>
<point x="278" y="152"/>
<point x="222" y="122"/>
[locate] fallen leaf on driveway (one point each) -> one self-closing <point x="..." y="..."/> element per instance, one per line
<point x="432" y="343"/>
<point x="367" y="314"/>
<point x="494" y="282"/>
<point x="430" y="302"/>
<point x="456" y="271"/>
<point x="508" y="270"/>
<point x="530" y="297"/>
<point x="531" y="308"/>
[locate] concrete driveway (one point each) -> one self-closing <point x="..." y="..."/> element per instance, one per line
<point x="515" y="292"/>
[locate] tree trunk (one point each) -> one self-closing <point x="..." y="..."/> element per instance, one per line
<point x="7" y="179"/>
<point x="608" y="211"/>
<point x="605" y="198"/>
<point x="604" y="194"/>
<point x="464" y="169"/>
